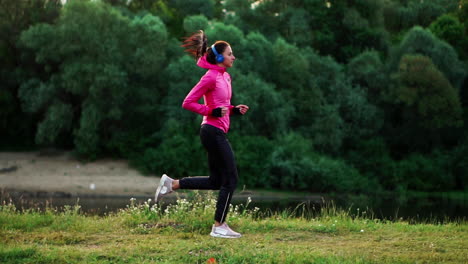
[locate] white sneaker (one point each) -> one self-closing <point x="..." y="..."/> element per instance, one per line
<point x="164" y="187"/>
<point x="224" y="231"/>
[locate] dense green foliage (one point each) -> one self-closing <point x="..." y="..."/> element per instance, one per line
<point x="345" y="96"/>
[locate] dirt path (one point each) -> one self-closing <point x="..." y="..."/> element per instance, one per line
<point x="33" y="172"/>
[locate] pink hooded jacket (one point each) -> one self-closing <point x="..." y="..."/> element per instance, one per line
<point x="215" y="88"/>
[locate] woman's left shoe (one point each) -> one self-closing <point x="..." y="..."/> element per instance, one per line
<point x="164" y="187"/>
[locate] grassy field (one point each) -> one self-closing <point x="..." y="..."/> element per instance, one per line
<point x="179" y="233"/>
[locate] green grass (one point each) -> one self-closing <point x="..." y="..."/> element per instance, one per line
<point x="178" y="233"/>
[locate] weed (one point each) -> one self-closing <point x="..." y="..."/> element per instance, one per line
<point x="144" y="232"/>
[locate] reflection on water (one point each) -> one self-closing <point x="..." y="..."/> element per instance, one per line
<point x="414" y="209"/>
<point x="407" y="207"/>
<point x="417" y="208"/>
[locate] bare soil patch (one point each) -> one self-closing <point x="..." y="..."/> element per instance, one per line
<point x="35" y="172"/>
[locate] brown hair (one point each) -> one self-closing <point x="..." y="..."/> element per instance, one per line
<point x="196" y="46"/>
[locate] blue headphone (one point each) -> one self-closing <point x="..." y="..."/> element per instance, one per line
<point x="219" y="56"/>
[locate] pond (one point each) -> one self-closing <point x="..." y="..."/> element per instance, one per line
<point x="411" y="207"/>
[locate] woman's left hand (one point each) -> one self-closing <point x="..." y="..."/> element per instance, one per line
<point x="243" y="108"/>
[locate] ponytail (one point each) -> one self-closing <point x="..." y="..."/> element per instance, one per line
<point x="195" y="45"/>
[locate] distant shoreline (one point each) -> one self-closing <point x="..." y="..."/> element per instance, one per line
<point x="34" y="174"/>
<point x="40" y="176"/>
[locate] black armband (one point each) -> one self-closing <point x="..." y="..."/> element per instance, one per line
<point x="216" y="112"/>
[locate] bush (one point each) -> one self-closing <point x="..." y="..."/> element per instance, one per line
<point x="253" y="154"/>
<point x="335" y="175"/>
<point x="294" y="165"/>
<point x="173" y="151"/>
<point x="426" y="173"/>
<point x="372" y="158"/>
<point x="290" y="162"/>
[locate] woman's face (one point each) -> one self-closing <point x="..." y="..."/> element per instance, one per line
<point x="228" y="57"/>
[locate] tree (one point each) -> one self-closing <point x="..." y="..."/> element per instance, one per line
<point x="362" y="119"/>
<point x="294" y="79"/>
<point x="269" y="116"/>
<point x="252" y="147"/>
<point x="444" y="57"/>
<point x="462" y="13"/>
<point x="373" y="159"/>
<point x="173" y="151"/>
<point x="449" y="28"/>
<point x="367" y="70"/>
<point x="326" y="130"/>
<point x="195" y="7"/>
<point x="331" y="110"/>
<point x="194" y="23"/>
<point x="291" y="162"/>
<point x="256" y="55"/>
<point x="426" y="172"/>
<point x="428" y="11"/>
<point x="245" y="15"/>
<point x="294" y="164"/>
<point x="107" y="66"/>
<point x="290" y="70"/>
<point x="401" y="16"/>
<point x="297" y="30"/>
<point x="425" y="104"/>
<point x="459" y="163"/>
<point x="229" y="33"/>
<point x="182" y="74"/>
<point x="16" y="16"/>
<point x="182" y="9"/>
<point x="426" y="90"/>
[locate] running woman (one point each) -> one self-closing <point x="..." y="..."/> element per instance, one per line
<point x="215" y="88"/>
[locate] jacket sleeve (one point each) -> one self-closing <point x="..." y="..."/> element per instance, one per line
<point x="234" y="111"/>
<point x="206" y="83"/>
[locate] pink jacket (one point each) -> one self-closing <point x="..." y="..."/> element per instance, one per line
<point x="215" y="88"/>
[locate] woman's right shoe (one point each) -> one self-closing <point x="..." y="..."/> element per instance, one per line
<point x="224" y="231"/>
<point x="164" y="187"/>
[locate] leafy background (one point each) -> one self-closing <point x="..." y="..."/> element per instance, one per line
<point x="345" y="96"/>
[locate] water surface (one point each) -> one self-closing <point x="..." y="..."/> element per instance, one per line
<point x="416" y="208"/>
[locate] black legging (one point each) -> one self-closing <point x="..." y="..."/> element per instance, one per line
<point x="223" y="171"/>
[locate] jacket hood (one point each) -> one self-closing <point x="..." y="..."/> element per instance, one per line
<point x="203" y="63"/>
